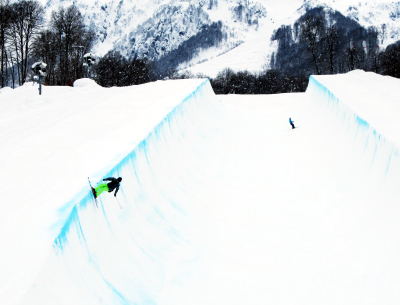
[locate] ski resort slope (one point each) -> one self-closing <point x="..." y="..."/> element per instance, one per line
<point x="221" y="201"/>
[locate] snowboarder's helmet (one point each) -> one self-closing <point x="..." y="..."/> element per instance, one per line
<point x="119" y="179"/>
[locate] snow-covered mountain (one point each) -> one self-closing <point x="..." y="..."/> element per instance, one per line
<point x="206" y="36"/>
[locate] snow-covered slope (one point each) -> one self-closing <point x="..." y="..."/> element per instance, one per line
<point x="222" y="202"/>
<point x="155" y="28"/>
<point x="50" y="145"/>
<point x="378" y="113"/>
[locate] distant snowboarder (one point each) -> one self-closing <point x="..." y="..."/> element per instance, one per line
<point x="291" y="123"/>
<point x="109" y="187"/>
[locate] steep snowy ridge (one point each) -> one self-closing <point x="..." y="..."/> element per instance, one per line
<point x="373" y="145"/>
<point x="115" y="256"/>
<point x="64" y="146"/>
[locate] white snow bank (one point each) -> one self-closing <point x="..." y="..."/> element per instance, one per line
<point x="85" y="82"/>
<point x="5" y="90"/>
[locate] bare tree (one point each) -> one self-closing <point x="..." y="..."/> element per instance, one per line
<point x="382" y="32"/>
<point x="10" y="59"/>
<point x="82" y="47"/>
<point x="62" y="46"/>
<point x="5" y="23"/>
<point x="354" y="52"/>
<point x="69" y="28"/>
<point x="331" y="37"/>
<point x="311" y="31"/>
<point x="45" y="49"/>
<point x="27" y="22"/>
<point x="372" y="49"/>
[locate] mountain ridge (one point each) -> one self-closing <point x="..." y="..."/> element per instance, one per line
<point x="157" y="28"/>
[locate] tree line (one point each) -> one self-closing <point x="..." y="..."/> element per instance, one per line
<point x="320" y="42"/>
<point x="113" y="69"/>
<point x="326" y="42"/>
<point x="25" y="38"/>
<point x="20" y="23"/>
<point x="267" y="82"/>
<point x="61" y="43"/>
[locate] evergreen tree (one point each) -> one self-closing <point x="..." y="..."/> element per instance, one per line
<point x="311" y="32"/>
<point x="391" y="60"/>
<point x="115" y="70"/>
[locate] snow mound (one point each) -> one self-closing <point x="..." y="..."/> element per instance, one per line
<point x="28" y="84"/>
<point x="5" y="90"/>
<point x="85" y="82"/>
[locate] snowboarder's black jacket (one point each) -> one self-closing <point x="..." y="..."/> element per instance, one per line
<point x="114" y="184"/>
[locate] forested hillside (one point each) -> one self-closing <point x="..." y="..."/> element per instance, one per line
<point x="320" y="41"/>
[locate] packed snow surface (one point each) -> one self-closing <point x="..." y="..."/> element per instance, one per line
<point x="221" y="201"/>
